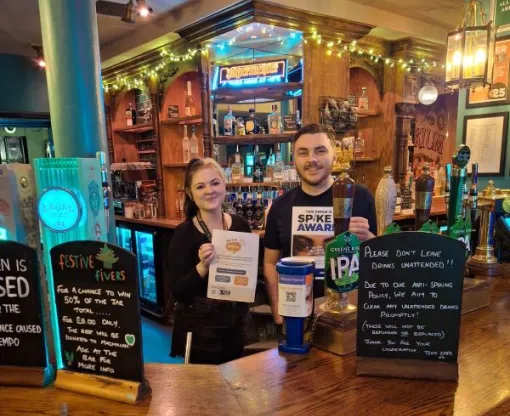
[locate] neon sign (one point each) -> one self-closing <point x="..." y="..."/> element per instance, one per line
<point x="59" y="209"/>
<point x="268" y="72"/>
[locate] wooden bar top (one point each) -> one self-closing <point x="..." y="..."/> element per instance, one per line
<point x="319" y="383"/>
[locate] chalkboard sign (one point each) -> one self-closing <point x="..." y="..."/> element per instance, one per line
<point x="409" y="297"/>
<point x="22" y="341"/>
<point x="96" y="290"/>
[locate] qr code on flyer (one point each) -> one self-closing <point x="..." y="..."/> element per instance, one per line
<point x="291" y="296"/>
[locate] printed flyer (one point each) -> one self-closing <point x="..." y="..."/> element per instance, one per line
<point x="312" y="228"/>
<point x="233" y="274"/>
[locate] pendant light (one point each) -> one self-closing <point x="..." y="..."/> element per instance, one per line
<point x="470" y="49"/>
<point x="143" y="10"/>
<point x="428" y="93"/>
<point x="129" y="13"/>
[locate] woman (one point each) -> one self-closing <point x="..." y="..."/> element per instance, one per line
<point x="217" y="326"/>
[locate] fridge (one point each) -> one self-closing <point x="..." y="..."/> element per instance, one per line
<point x="146" y="244"/>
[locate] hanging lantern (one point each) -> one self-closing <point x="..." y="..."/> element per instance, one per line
<point x="470" y="49"/>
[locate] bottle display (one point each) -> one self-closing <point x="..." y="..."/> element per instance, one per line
<point x="359" y="146"/>
<point x="240" y="130"/>
<point x="190" y="109"/>
<point x="343" y="197"/>
<point x="279" y="167"/>
<point x="238" y="205"/>
<point x="424" y="191"/>
<point x="274" y="121"/>
<point x="258" y="167"/>
<point x="186" y="146"/>
<point x="363" y="99"/>
<point x="194" y="152"/>
<point x="258" y="212"/>
<point x="129" y="115"/>
<point x="228" y="123"/>
<point x="270" y="165"/>
<point x="237" y="168"/>
<point x="252" y="124"/>
<point x="248" y="210"/>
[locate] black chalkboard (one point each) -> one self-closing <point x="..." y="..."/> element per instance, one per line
<point x="96" y="290"/>
<point x="409" y="297"/>
<point x="22" y="341"/>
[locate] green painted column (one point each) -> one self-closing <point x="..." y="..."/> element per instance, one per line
<point x="73" y="73"/>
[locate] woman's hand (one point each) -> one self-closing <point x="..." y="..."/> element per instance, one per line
<point x="206" y="254"/>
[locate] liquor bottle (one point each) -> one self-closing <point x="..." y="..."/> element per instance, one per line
<point x="385" y="201"/>
<point x="228" y="123"/>
<point x="343" y="196"/>
<point x="270" y="165"/>
<point x="194" y="144"/>
<point x="129" y="115"/>
<point x="359" y="146"/>
<point x="274" y="121"/>
<point x="258" y="167"/>
<point x="258" y="212"/>
<point x="279" y="167"/>
<point x="298" y="119"/>
<point x="186" y="146"/>
<point x="363" y="99"/>
<point x="189" y="101"/>
<point x="252" y="124"/>
<point x="237" y="169"/>
<point x="398" y="202"/>
<point x="238" y="206"/>
<point x="248" y="210"/>
<point x="214" y="123"/>
<point x="424" y="191"/>
<point x="240" y="130"/>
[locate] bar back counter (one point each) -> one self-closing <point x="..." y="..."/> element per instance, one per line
<point x="319" y="383"/>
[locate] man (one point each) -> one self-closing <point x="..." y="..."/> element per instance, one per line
<point x="314" y="158"/>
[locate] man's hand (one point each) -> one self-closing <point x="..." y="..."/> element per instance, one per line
<point x="361" y="228"/>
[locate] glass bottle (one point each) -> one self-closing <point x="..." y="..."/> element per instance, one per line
<point x="343" y="196"/>
<point x="258" y="212"/>
<point x="270" y="165"/>
<point x="228" y="123"/>
<point x="258" y="167"/>
<point x="240" y="130"/>
<point x="237" y="169"/>
<point x="359" y="146"/>
<point x="279" y="167"/>
<point x="186" y="146"/>
<point x="194" y="152"/>
<point x="248" y="210"/>
<point x="252" y="124"/>
<point x="274" y="121"/>
<point x="238" y="206"/>
<point x="129" y="115"/>
<point x="189" y="101"/>
<point x="363" y="99"/>
<point x="424" y="191"/>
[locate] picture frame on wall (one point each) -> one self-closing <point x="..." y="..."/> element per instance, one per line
<point x="411" y="88"/>
<point x="486" y="136"/>
<point x="499" y="92"/>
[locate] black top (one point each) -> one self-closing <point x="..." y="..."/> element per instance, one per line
<point x="279" y="219"/>
<point x="185" y="282"/>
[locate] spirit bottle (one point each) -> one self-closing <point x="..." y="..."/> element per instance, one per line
<point x="274" y="121"/>
<point x="270" y="165"/>
<point x="248" y="210"/>
<point x="343" y="197"/>
<point x="258" y="212"/>
<point x="252" y="124"/>
<point x="238" y="206"/>
<point x="237" y="169"/>
<point x="194" y="144"/>
<point x="228" y="123"/>
<point x="240" y="130"/>
<point x="359" y="146"/>
<point x="129" y="115"/>
<point x="424" y="192"/>
<point x="363" y="100"/>
<point x="298" y="119"/>
<point x="186" y="147"/>
<point x="189" y="101"/>
<point x="279" y="167"/>
<point x="258" y="167"/>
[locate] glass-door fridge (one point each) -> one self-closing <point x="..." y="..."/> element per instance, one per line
<point x="124" y="238"/>
<point x="146" y="266"/>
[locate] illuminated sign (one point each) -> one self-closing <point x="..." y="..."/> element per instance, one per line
<point x="253" y="74"/>
<point x="3" y="233"/>
<point x="59" y="209"/>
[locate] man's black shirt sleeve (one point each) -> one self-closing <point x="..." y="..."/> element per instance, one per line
<point x="271" y="238"/>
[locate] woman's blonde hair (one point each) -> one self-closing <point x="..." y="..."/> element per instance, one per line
<point x="195" y="165"/>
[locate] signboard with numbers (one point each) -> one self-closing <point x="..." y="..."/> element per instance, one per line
<point x="497" y="93"/>
<point x="96" y="290"/>
<point x="409" y="305"/>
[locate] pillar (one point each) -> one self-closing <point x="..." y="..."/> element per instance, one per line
<point x="73" y="73"/>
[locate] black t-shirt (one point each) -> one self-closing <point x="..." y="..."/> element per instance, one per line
<point x="279" y="220"/>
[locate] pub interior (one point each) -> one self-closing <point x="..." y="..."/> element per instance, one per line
<point x="105" y="104"/>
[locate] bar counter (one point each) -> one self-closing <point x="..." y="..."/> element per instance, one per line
<point x="319" y="383"/>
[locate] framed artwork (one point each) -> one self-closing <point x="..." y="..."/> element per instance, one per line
<point x="411" y="88"/>
<point x="486" y="136"/>
<point x="497" y="93"/>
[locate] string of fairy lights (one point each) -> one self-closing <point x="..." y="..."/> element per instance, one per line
<point x="332" y="47"/>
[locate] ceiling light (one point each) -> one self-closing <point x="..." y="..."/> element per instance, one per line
<point x="39" y="56"/>
<point x="129" y="12"/>
<point x="428" y="93"/>
<point x="143" y="9"/>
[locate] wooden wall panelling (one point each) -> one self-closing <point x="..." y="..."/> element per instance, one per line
<point x="173" y="178"/>
<point x="323" y="76"/>
<point x="108" y="108"/>
<point x="204" y="70"/>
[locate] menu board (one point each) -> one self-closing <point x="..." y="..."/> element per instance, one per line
<point x="96" y="290"/>
<point x="409" y="297"/>
<point x="22" y="341"/>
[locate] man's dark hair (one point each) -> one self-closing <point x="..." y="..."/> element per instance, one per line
<point x="315" y="129"/>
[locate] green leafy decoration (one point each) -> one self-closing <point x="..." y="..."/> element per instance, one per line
<point x="107" y="256"/>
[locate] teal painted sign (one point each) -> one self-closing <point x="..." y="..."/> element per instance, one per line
<point x="59" y="209"/>
<point x="502" y="12"/>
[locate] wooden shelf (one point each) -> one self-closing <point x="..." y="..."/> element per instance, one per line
<point x="273" y="184"/>
<point x="369" y="113"/>
<point x="175" y="165"/>
<point x="197" y="119"/>
<point x="255" y="139"/>
<point x="272" y="92"/>
<point x="145" y="152"/>
<point x="139" y="128"/>
<point x="145" y="141"/>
